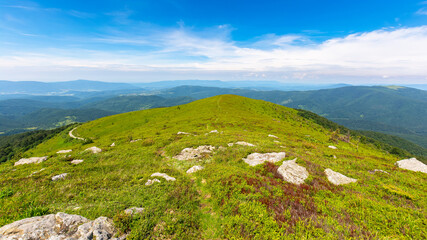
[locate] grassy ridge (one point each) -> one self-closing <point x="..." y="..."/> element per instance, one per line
<point x="228" y="199"/>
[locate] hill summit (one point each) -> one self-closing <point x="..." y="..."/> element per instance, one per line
<point x="225" y="167"/>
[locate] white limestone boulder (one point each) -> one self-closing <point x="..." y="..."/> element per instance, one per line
<point x="194" y="153"/>
<point x="64" y="151"/>
<point x="59" y="177"/>
<point x="30" y="160"/>
<point x="412" y="164"/>
<point x="60" y="226"/>
<point x="259" y="158"/>
<point x="77" y="161"/>
<point x="94" y="149"/>
<point x="194" y="169"/>
<point x="163" y="175"/>
<point x="151" y="181"/>
<point x="337" y="178"/>
<point x="292" y="172"/>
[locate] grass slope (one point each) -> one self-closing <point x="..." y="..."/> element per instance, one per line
<point x="228" y="199"/>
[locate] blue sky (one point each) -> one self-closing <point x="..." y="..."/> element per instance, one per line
<point x="289" y="41"/>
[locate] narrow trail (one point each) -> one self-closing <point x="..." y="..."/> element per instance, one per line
<point x="72" y="135"/>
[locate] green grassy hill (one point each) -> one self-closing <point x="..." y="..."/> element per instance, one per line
<point x="228" y="199"/>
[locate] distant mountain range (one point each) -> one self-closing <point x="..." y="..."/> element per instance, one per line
<point x="399" y="111"/>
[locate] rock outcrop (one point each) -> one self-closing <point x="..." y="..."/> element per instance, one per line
<point x="292" y="172"/>
<point x="60" y="226"/>
<point x="59" y="177"/>
<point x="337" y="178"/>
<point x="64" y="151"/>
<point x="94" y="149"/>
<point x="194" y="169"/>
<point x="259" y="158"/>
<point x="163" y="175"/>
<point x="194" y="153"/>
<point x="412" y="164"/>
<point x="30" y="160"/>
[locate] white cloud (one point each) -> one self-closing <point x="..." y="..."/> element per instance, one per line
<point x="398" y="53"/>
<point x="422" y="11"/>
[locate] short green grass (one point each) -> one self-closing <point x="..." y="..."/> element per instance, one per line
<point x="228" y="199"/>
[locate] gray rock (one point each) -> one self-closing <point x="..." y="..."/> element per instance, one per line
<point x="134" y="210"/>
<point x="332" y="147"/>
<point x="214" y="131"/>
<point x="136" y="140"/>
<point x="412" y="164"/>
<point x="337" y="178"/>
<point x="163" y="175"/>
<point x="292" y="172"/>
<point x="150" y="182"/>
<point x="272" y="136"/>
<point x="194" y="153"/>
<point x="64" y="151"/>
<point x="194" y="169"/>
<point x="259" y="158"/>
<point x="94" y="149"/>
<point x="77" y="161"/>
<point x="113" y="144"/>
<point x="30" y="160"/>
<point x="59" y="177"/>
<point x="60" y="226"/>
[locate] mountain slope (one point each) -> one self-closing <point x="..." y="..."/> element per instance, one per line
<point x="228" y="199"/>
<point x="396" y="110"/>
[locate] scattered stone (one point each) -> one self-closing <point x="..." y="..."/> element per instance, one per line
<point x="94" y="149"/>
<point x="214" y="131"/>
<point x="59" y="226"/>
<point x="134" y="210"/>
<point x="59" y="177"/>
<point x="193" y="153"/>
<point x="259" y="158"/>
<point x="30" y="160"/>
<point x="64" y="151"/>
<point x="242" y="144"/>
<point x="292" y="172"/>
<point x="136" y="140"/>
<point x="332" y="147"/>
<point x="194" y="169"/>
<point x="149" y="181"/>
<point x="412" y="164"/>
<point x="77" y="161"/>
<point x="276" y="141"/>
<point x="34" y="173"/>
<point x="113" y="144"/>
<point x="183" y="133"/>
<point x="163" y="175"/>
<point x="378" y="170"/>
<point x="272" y="136"/>
<point x="337" y="178"/>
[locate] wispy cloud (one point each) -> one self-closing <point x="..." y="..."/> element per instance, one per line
<point x="388" y="54"/>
